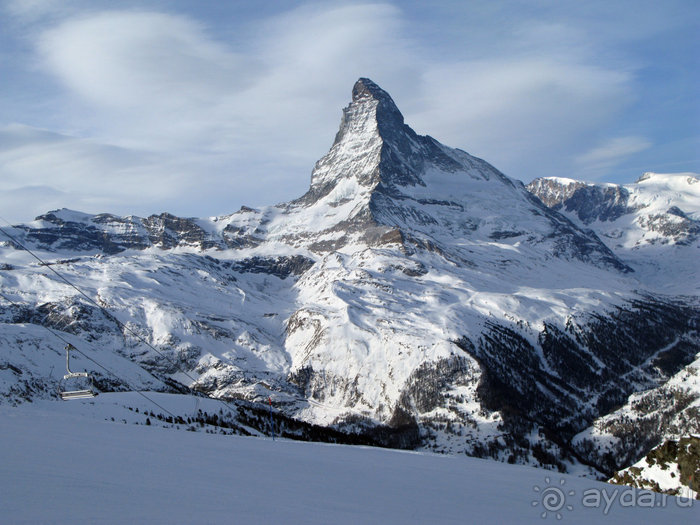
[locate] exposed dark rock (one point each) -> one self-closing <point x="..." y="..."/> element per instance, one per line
<point x="110" y="234"/>
<point x="281" y="267"/>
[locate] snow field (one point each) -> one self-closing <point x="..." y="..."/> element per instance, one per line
<point x="60" y="467"/>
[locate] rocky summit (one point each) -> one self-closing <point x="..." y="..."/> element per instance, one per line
<point x="414" y="295"/>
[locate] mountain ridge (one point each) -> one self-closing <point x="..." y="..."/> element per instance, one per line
<point x="637" y="220"/>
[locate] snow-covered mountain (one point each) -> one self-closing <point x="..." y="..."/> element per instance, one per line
<point x="664" y="208"/>
<point x="653" y="224"/>
<point x="414" y="292"/>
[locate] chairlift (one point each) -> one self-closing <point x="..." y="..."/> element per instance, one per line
<point x="75" y="385"/>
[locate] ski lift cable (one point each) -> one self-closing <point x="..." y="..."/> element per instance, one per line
<point x="123" y="326"/>
<point x="64" y="392"/>
<point x="56" y="334"/>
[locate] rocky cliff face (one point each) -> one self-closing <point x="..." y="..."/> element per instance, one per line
<point x="65" y="230"/>
<point x="413" y="286"/>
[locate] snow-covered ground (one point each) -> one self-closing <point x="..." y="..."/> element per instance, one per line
<point x="69" y="463"/>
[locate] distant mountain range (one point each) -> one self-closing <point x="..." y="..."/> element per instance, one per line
<point x="414" y="293"/>
<point x="650" y="224"/>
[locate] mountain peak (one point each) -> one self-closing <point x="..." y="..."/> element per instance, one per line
<point x="370" y="123"/>
<point x="365" y="88"/>
<point x="366" y="92"/>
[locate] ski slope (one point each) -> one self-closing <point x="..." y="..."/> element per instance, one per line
<point x="64" y="463"/>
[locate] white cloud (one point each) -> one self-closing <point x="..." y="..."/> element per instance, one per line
<point x="147" y="74"/>
<point x="599" y="160"/>
<point x="178" y="115"/>
<point x="614" y="149"/>
<point x="39" y="157"/>
<point x="52" y="170"/>
<point x="42" y="170"/>
<point x="508" y="110"/>
<point x="127" y="59"/>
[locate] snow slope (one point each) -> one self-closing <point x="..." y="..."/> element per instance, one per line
<point x="59" y="467"/>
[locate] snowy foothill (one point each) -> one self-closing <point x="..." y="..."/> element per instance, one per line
<point x="70" y="463"/>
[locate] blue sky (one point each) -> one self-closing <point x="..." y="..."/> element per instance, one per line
<point x="197" y="108"/>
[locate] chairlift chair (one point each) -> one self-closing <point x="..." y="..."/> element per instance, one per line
<point x="64" y="388"/>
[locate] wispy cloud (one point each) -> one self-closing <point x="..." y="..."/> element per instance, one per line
<point x="512" y="110"/>
<point x="159" y="109"/>
<point x="48" y="169"/>
<point x="146" y="74"/>
<point x="597" y="161"/>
